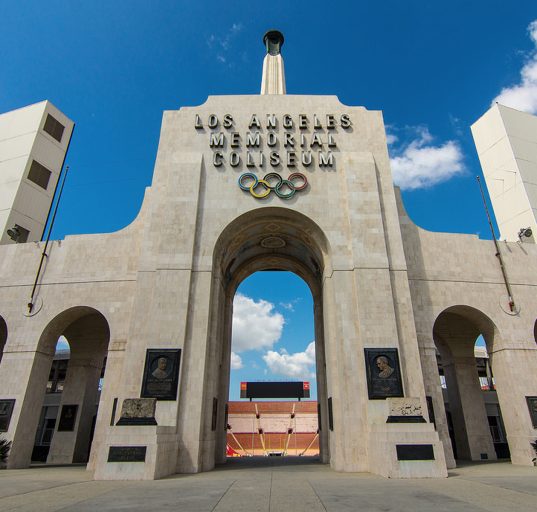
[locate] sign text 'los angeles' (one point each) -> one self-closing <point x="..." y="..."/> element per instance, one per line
<point x="302" y="136"/>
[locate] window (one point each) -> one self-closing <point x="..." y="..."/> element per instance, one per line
<point x="57" y="375"/>
<point x="39" y="174"/>
<point x="484" y="382"/>
<point x="496" y="430"/>
<point x="54" y="128"/>
<point x="46" y="426"/>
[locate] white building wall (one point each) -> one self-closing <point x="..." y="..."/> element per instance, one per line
<point x="23" y="140"/>
<point x="506" y="142"/>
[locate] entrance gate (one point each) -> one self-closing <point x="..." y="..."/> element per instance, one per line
<point x="246" y="183"/>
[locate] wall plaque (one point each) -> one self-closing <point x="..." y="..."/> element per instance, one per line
<point x="138" y="411"/>
<point x="383" y="373"/>
<point x="405" y="410"/>
<point x="532" y="406"/>
<point x="67" y="418"/>
<point x="161" y="374"/>
<point x="127" y="453"/>
<point x="6" y="410"/>
<point x="415" y="451"/>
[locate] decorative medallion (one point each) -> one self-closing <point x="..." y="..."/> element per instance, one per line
<point x="273" y="228"/>
<point x="273" y="242"/>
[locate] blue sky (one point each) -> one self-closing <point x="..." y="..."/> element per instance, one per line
<point x="432" y="67"/>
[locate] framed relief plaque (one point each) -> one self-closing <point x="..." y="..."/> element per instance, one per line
<point x="383" y="373"/>
<point x="161" y="374"/>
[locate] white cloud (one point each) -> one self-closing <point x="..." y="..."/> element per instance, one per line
<point x="236" y="361"/>
<point x="421" y="164"/>
<point x="290" y="306"/>
<point x="298" y="365"/>
<point x="236" y="27"/>
<point x="391" y="138"/>
<point x="256" y="325"/>
<point x="523" y="96"/>
<point x="223" y="43"/>
<point x="287" y="305"/>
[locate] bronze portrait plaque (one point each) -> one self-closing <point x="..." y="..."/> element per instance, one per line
<point x="161" y="374"/>
<point x="383" y="373"/>
<point x="6" y="410"/>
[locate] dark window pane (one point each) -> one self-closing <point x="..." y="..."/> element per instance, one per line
<point x="62" y="372"/>
<point x="54" y="128"/>
<point x="47" y="435"/>
<point x="39" y="174"/>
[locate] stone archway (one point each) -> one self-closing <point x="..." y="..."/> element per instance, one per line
<point x="88" y="333"/>
<point x="264" y="239"/>
<point x="455" y="332"/>
<point x="3" y="336"/>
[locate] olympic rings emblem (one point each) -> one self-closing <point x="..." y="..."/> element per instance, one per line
<point x="272" y="182"/>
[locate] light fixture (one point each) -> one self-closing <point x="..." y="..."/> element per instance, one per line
<point x="524" y="232"/>
<point x="14" y="233"/>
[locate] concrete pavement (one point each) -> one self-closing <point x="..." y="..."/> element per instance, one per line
<point x="272" y="484"/>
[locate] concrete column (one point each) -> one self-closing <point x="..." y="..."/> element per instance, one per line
<point x="433" y="389"/>
<point x="345" y="372"/>
<point x="322" y="395"/>
<point x="195" y="382"/>
<point x="111" y="384"/>
<point x="515" y="375"/>
<point x="80" y="388"/>
<point x="223" y="395"/>
<point x="24" y="377"/>
<point x="472" y="433"/>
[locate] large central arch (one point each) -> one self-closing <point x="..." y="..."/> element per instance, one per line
<point x="263" y="239"/>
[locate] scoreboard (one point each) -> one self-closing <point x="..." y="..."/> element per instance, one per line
<point x="275" y="390"/>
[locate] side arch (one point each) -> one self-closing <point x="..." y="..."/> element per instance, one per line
<point x="88" y="333"/>
<point x="469" y="408"/>
<point x="82" y="317"/>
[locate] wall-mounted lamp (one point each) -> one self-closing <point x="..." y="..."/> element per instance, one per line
<point x="523" y="233"/>
<point x="14" y="233"/>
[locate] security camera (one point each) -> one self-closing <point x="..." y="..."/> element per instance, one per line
<point x="525" y="233"/>
<point x="14" y="234"/>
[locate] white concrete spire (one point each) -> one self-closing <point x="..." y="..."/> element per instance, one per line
<point x="273" y="81"/>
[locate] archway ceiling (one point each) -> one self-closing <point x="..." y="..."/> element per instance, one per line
<point x="269" y="245"/>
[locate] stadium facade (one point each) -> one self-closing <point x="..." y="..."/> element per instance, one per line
<point x="269" y="182"/>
